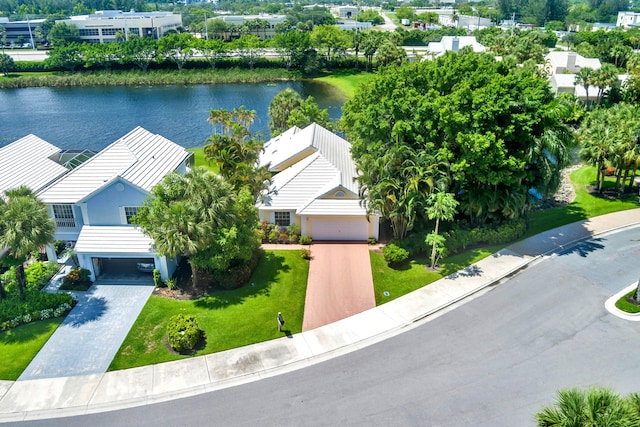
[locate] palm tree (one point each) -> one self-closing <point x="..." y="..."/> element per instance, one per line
<point x="605" y="77"/>
<point x="584" y="77"/>
<point x="594" y="407"/>
<point x="25" y="226"/>
<point x="280" y="108"/>
<point x="441" y="206"/>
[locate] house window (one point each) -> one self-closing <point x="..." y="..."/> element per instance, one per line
<point x="129" y="212"/>
<point x="283" y="219"/>
<point x="85" y="32"/>
<point x="111" y="31"/>
<point x="63" y="215"/>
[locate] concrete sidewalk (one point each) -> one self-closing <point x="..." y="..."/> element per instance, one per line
<point x="33" y="399"/>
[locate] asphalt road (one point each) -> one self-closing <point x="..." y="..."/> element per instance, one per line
<point x="493" y="361"/>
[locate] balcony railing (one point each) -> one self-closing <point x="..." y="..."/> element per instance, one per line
<point x="66" y="223"/>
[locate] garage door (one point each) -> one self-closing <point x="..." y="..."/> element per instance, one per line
<point x="356" y="229"/>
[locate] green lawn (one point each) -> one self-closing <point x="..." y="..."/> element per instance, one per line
<point x="401" y="281"/>
<point x="585" y="206"/>
<point x="198" y="156"/>
<point x="19" y="346"/>
<point x="230" y="319"/>
<point x="346" y="81"/>
<point x="626" y="306"/>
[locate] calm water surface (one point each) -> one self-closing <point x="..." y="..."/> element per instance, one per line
<point x="92" y="118"/>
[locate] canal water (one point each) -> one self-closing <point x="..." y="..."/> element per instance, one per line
<point x="93" y="117"/>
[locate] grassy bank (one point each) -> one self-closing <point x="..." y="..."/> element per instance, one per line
<point x="148" y="78"/>
<point x="346" y="81"/>
<point x="229" y="319"/>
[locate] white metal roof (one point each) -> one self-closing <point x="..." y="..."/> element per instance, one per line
<point x="303" y="185"/>
<point x="113" y="240"/>
<point x="140" y="157"/>
<point x="27" y="161"/>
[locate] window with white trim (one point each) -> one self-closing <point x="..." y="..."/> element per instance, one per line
<point x="63" y="215"/>
<point x="129" y="212"/>
<point x="282" y="219"/>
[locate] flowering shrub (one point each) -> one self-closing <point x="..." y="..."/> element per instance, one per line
<point x="46" y="313"/>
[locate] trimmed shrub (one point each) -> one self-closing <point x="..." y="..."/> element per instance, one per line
<point x="305" y="253"/>
<point x="305" y="240"/>
<point x="372" y="240"/>
<point x="39" y="273"/>
<point x="460" y="238"/>
<point x="394" y="255"/>
<point x="274" y="235"/>
<point x="76" y="280"/>
<point x="183" y="333"/>
<point x="15" y="312"/>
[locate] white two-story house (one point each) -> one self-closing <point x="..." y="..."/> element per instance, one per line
<point x="92" y="204"/>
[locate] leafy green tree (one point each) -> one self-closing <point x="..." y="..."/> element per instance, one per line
<point x="100" y="54"/>
<point x="177" y="48"/>
<point x="370" y="15"/>
<point x="329" y="38"/>
<point x="3" y="37"/>
<point x="280" y="109"/>
<point x="141" y="51"/>
<point x="405" y="12"/>
<point x="371" y="41"/>
<point x="593" y="407"/>
<point x="390" y="53"/>
<point x="249" y="48"/>
<point x="25" y="226"/>
<point x="291" y="46"/>
<point x="6" y="63"/>
<point x="309" y="112"/>
<point x="62" y="34"/>
<point x="475" y="117"/>
<point x="193" y="215"/>
<point x="441" y="207"/>
<point x="66" y="56"/>
<point x="213" y="50"/>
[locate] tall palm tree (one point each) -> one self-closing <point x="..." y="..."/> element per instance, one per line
<point x="584" y="77"/>
<point x="25" y="226"/>
<point x="280" y="108"/>
<point x="594" y="407"/>
<point x="603" y="78"/>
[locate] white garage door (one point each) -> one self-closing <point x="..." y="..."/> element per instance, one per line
<point x="327" y="229"/>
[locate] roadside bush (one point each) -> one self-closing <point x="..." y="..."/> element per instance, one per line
<point x="305" y="240"/>
<point x="76" y="280"/>
<point x="15" y="312"/>
<point x="460" y="237"/>
<point x="39" y="273"/>
<point x="157" y="278"/>
<point x="183" y="333"/>
<point x="172" y="284"/>
<point x="394" y="255"/>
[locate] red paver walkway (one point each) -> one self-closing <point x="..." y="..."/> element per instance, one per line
<point x="340" y="283"/>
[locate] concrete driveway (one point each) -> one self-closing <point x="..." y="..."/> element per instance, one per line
<point x="90" y="336"/>
<point x="340" y="283"/>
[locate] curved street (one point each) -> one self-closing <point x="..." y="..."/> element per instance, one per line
<point x="492" y="361"/>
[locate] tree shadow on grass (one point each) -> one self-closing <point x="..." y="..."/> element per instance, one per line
<point x="26" y="333"/>
<point x="265" y="275"/>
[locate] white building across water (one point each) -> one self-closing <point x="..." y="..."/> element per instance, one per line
<point x="102" y="26"/>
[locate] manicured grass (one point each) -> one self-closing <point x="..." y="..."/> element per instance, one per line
<point x="230" y="319"/>
<point x="346" y="81"/>
<point x="198" y="156"/>
<point x="585" y="205"/>
<point x="19" y="346"/>
<point x="626" y="306"/>
<point x="416" y="274"/>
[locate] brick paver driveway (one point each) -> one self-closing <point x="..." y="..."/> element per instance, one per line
<point x="90" y="336"/>
<point x="340" y="283"/>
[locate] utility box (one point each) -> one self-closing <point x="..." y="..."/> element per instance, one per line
<point x="405" y="22"/>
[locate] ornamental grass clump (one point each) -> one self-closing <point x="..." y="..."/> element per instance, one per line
<point x="183" y="333"/>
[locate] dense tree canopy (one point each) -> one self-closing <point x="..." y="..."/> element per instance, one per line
<point x="464" y="124"/>
<point x="197" y="215"/>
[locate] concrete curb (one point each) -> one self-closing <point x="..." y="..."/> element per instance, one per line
<point x="60" y="397"/>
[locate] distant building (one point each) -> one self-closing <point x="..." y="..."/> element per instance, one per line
<point x="19" y="32"/>
<point x="454" y="43"/>
<point x="264" y="33"/>
<point x="561" y="62"/>
<point x="628" y="19"/>
<point x="102" y="26"/>
<point x="346" y="12"/>
<point x="353" y="25"/>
